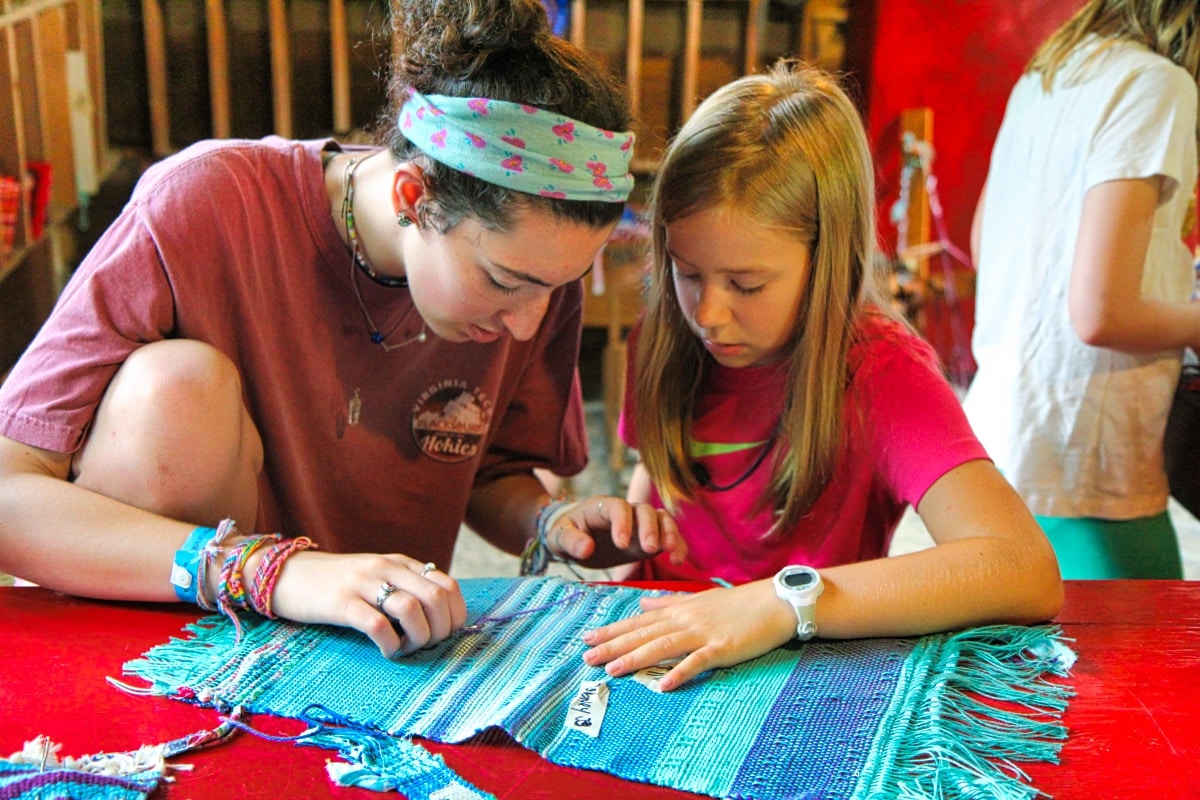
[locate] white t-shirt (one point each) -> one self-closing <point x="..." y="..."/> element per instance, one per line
<point x="1078" y="429"/>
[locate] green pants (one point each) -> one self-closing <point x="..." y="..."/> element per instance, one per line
<point x="1104" y="548"/>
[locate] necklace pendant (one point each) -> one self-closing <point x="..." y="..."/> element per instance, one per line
<point x="376" y="337"/>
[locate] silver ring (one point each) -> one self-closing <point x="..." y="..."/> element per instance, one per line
<point x="429" y="567"/>
<point x="385" y="591"/>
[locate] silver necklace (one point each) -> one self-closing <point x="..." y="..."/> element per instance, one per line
<point x="359" y="261"/>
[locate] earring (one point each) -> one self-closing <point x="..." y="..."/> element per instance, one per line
<point x="403" y="220"/>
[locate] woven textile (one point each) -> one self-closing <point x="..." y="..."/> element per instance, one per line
<point x="937" y="716"/>
<point x="20" y="781"/>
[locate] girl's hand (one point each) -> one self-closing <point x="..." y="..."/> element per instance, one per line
<point x="424" y="607"/>
<point x="631" y="532"/>
<point x="710" y="629"/>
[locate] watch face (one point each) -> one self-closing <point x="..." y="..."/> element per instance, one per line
<point x="799" y="580"/>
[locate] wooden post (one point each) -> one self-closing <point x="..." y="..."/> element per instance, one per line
<point x="218" y="68"/>
<point x="579" y="23"/>
<point x="756" y="24"/>
<point x="633" y="54"/>
<point x="281" y="67"/>
<point x="691" y="58"/>
<point x="91" y="42"/>
<point x="156" y="77"/>
<point x="919" y="123"/>
<point x="339" y="54"/>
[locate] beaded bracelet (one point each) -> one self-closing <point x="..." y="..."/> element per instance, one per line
<point x="537" y="554"/>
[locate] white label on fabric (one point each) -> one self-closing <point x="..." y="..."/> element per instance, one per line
<point x="586" y="712"/>
<point x="649" y="676"/>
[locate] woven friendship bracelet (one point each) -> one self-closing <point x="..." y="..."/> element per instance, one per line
<point x="262" y="588"/>
<point x="537" y="554"/>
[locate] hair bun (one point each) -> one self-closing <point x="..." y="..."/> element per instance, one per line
<point x="455" y="38"/>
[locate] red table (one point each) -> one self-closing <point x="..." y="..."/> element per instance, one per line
<point x="1134" y="724"/>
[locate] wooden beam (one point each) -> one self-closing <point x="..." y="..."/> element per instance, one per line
<point x="339" y="55"/>
<point x="756" y="26"/>
<point x="281" y="67"/>
<point x="919" y="123"/>
<point x="691" y="58"/>
<point x="156" y="77"/>
<point x="92" y="37"/>
<point x="218" y="67"/>
<point x="633" y="54"/>
<point x="579" y="23"/>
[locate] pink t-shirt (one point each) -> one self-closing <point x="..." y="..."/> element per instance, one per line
<point x="904" y="430"/>
<point x="232" y="243"/>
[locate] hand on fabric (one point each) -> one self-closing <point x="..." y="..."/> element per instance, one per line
<point x="706" y="630"/>
<point x="425" y="606"/>
<point x="634" y="532"/>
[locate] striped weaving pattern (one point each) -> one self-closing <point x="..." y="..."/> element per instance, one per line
<point x="935" y="716"/>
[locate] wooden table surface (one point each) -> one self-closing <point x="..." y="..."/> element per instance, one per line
<point x="1134" y="722"/>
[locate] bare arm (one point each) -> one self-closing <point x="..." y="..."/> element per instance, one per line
<point x="1105" y="301"/>
<point x="70" y="539"/>
<point x="73" y="540"/>
<point x="991" y="564"/>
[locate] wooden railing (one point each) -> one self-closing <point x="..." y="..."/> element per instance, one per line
<point x="695" y="46"/>
<point x="53" y="150"/>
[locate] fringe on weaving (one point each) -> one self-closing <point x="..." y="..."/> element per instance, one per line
<point x="968" y="708"/>
<point x="383" y="763"/>
<point x="37" y="771"/>
<point x="373" y="760"/>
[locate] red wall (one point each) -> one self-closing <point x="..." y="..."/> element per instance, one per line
<point x="960" y="58"/>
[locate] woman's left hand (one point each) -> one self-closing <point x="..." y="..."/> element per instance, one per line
<point x="706" y="630"/>
<point x="630" y="532"/>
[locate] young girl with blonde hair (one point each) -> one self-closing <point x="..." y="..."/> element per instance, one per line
<point x="787" y="419"/>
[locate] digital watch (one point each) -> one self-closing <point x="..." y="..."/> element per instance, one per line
<point x="800" y="587"/>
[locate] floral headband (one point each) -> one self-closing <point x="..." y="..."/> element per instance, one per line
<point x="520" y="147"/>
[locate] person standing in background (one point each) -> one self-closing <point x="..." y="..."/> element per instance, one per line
<point x="1083" y="283"/>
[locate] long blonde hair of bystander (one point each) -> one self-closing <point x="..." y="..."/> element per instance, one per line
<point x="1170" y="28"/>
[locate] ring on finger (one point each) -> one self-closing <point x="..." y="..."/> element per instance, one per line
<point x="385" y="591"/>
<point x="429" y="567"/>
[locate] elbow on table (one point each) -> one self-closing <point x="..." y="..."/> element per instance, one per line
<point x="1048" y="602"/>
<point x="1043" y="596"/>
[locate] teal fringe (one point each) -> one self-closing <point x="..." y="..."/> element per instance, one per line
<point x="385" y="763"/>
<point x="968" y="707"/>
<point x="375" y="761"/>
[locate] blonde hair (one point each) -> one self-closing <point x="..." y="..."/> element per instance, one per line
<point x="1166" y="27"/>
<point x="788" y="149"/>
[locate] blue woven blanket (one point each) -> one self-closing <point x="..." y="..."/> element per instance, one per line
<point x="943" y="716"/>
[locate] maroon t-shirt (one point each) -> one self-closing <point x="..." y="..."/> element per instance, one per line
<point x="232" y="243"/>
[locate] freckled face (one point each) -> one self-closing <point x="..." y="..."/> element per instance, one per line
<point x="474" y="284"/>
<point x="739" y="283"/>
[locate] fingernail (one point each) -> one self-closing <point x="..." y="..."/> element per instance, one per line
<point x="589" y="636"/>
